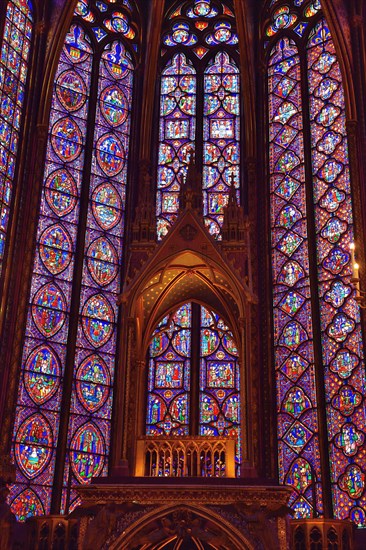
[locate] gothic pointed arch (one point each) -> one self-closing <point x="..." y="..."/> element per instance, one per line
<point x="187" y="267"/>
<point x="190" y="524"/>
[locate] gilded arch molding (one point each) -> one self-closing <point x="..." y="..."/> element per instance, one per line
<point x="186" y="523"/>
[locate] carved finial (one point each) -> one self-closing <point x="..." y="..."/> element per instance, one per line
<point x="234" y="225"/>
<point x="233" y="200"/>
<point x="191" y="189"/>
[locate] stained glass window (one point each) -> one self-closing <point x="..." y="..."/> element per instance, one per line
<point x="199" y="115"/>
<point x="221" y="134"/>
<point x="169" y="375"/>
<point x="15" y="49"/>
<point x="177" y="133"/>
<point x="313" y="216"/>
<point x="294" y="353"/>
<point x="342" y="349"/>
<point x="173" y="356"/>
<point x="219" y="380"/>
<point x="82" y="209"/>
<point x="199" y="109"/>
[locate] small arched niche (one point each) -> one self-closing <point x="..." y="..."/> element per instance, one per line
<point x="188" y="270"/>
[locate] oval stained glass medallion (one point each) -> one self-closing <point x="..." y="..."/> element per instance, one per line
<point x="97" y="320"/>
<point x="113" y="104"/>
<point x="61" y="192"/>
<point x="87" y="451"/>
<point x="66" y="139"/>
<point x="110" y="154"/>
<point x="106" y="206"/>
<point x="26" y="505"/>
<point x="71" y="90"/>
<point x="48" y="309"/>
<point x="299" y="475"/>
<point x="55" y="248"/>
<point x="33" y="445"/>
<point x="102" y="260"/>
<point x="92" y="383"/>
<point x="41" y="376"/>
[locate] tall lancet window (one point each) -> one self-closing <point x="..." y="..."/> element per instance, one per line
<point x="199" y="116"/>
<point x="63" y="414"/>
<point x="199" y="108"/>
<point x="14" y="61"/>
<point x="317" y="331"/>
<point x="191" y="340"/>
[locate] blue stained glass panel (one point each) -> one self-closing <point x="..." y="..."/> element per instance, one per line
<point x="177" y="132"/>
<point x="221" y="135"/>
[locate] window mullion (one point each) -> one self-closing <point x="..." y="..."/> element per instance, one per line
<point x="195" y="369"/>
<point x="199" y="121"/>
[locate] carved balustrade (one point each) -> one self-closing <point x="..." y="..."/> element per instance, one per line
<point x="163" y="456"/>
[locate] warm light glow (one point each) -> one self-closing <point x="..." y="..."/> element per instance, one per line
<point x="352" y="246"/>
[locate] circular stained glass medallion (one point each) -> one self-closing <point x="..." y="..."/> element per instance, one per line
<point x="113" y="105"/>
<point x="118" y="23"/>
<point x="92" y="383"/>
<point x="33" y="445"/>
<point x="87" y="451"/>
<point x="222" y="33"/>
<point x="48" y="309"/>
<point x="41" y="376"/>
<point x="55" y="248"/>
<point x="71" y="90"/>
<point x="61" y="192"/>
<point x="106" y="206"/>
<point x="98" y="319"/>
<point x="202" y="9"/>
<point x="102" y="261"/>
<point x="26" y="505"/>
<point x="110" y="154"/>
<point x="66" y="139"/>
